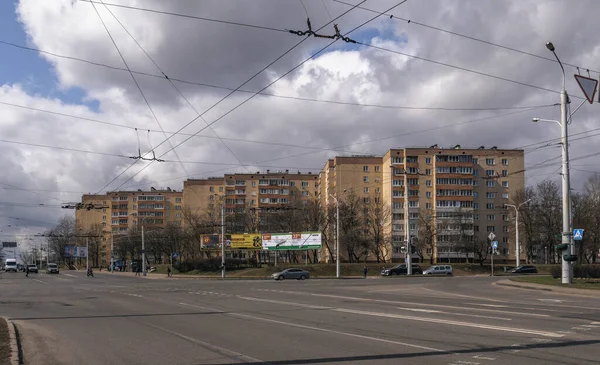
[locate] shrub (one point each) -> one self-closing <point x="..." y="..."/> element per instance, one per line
<point x="214" y="264"/>
<point x="556" y="272"/>
<point x="586" y="271"/>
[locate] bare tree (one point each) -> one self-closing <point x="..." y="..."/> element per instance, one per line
<point x="62" y="235"/>
<point x="377" y="219"/>
<point x="529" y="239"/>
<point x="352" y="235"/>
<point x="481" y="249"/>
<point x="547" y="213"/>
<point x="427" y="234"/>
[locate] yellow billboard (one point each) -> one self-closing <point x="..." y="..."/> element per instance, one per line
<point x="246" y="241"/>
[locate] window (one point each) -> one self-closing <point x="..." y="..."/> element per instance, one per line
<point x="397" y="227"/>
<point x="475" y="172"/>
<point x="489" y="206"/>
<point x="505" y="184"/>
<point x="397" y="182"/>
<point x="365" y="168"/>
<point x="475" y="205"/>
<point x="491" y="217"/>
<point x="366" y="190"/>
<point x="413" y="215"/>
<point x="413" y="193"/>
<point x="490" y="183"/>
<point x="211" y="189"/>
<point x="397" y="193"/>
<point x="412" y="170"/>
<point x="413" y="226"/>
<point x="177" y="200"/>
<point x="475" y="161"/>
<point x="253" y="183"/>
<point x="134" y="207"/>
<point x="475" y="228"/>
<point x="475" y="195"/>
<point x="220" y="189"/>
<point x="412" y="181"/>
<point x="397" y="160"/>
<point x="397" y="216"/>
<point x="103" y="218"/>
<point x="491" y="228"/>
<point x="454" y="170"/>
<point x="377" y="190"/>
<point x="428" y="160"/>
<point x="475" y="182"/>
<point x="134" y="199"/>
<point x="505" y="217"/>
<point x="365" y="179"/>
<point x="428" y="194"/>
<point x="427" y="171"/>
<point x="366" y="200"/>
<point x="428" y="206"/>
<point x="412" y="159"/>
<point x="413" y="204"/>
<point x="505" y="240"/>
<point x="504" y="173"/>
<point x="428" y="183"/>
<point x="397" y="205"/>
<point x="304" y="193"/>
<point x="253" y="202"/>
<point x="490" y="195"/>
<point x="490" y="161"/>
<point x="377" y="168"/>
<point x="104" y="210"/>
<point x="504" y="161"/>
<point x="476" y="216"/>
<point x="489" y="172"/>
<point x="211" y="198"/>
<point x="305" y="184"/>
<point x="177" y="215"/>
<point x="123" y="198"/>
<point x="504" y="195"/>
<point x="504" y="228"/>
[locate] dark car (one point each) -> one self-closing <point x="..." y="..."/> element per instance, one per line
<point x="525" y="269"/>
<point x="401" y="270"/>
<point x="291" y="273"/>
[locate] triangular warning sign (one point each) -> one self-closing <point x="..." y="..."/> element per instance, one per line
<point x="588" y="86"/>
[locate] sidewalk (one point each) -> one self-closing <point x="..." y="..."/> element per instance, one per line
<point x="218" y="277"/>
<point x="550" y="288"/>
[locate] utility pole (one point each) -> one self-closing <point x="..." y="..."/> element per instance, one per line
<point x="337" y="236"/>
<point x="407" y="229"/>
<point x="517" y="239"/>
<point x="87" y="253"/>
<point x="143" y="250"/>
<point x="222" y="238"/>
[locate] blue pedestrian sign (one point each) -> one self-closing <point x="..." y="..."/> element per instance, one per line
<point x="494" y="244"/>
<point x="577" y="234"/>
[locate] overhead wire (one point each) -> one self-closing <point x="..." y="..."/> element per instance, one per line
<point x="172" y="84"/>
<point x="136" y="83"/>
<point x="229" y="94"/>
<point x="413" y="22"/>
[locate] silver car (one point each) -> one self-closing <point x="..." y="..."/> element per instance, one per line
<point x="438" y="270"/>
<point x="297" y="274"/>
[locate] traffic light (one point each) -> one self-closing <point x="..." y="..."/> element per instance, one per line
<point x="562" y="247"/>
<point x="569" y="258"/>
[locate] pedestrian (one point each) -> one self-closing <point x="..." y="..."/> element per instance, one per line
<point x="169" y="272"/>
<point x="137" y="271"/>
<point x="26" y="271"/>
<point x="365" y="272"/>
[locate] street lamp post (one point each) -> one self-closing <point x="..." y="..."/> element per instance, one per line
<point x="223" y="235"/>
<point x="143" y="248"/>
<point x="337" y="237"/>
<point x="566" y="205"/>
<point x="518" y="243"/>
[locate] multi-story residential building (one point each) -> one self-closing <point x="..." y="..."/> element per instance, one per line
<point x="121" y="211"/>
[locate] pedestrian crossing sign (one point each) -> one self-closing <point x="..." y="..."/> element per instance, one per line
<point x="577" y="234"/>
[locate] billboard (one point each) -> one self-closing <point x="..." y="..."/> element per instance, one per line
<point x="82" y="251"/>
<point x="246" y="241"/>
<point x="70" y="251"/>
<point x="9" y="244"/>
<point x="213" y="241"/>
<point x="291" y="241"/>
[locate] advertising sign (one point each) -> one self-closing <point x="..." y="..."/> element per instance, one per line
<point x="213" y="241"/>
<point x="291" y="241"/>
<point x="82" y="251"/>
<point x="70" y="251"/>
<point x="9" y="244"/>
<point x="246" y="241"/>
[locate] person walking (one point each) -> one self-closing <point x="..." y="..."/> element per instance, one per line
<point x="169" y="272"/>
<point x="365" y="272"/>
<point x="137" y="271"/>
<point x="26" y="271"/>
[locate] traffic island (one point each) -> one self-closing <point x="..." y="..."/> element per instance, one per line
<point x="587" y="287"/>
<point x="9" y="350"/>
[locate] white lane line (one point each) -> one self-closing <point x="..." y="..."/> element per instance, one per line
<point x="590" y="325"/>
<point x="464" y="296"/>
<point x="284" y="303"/>
<point x="452" y="323"/>
<point x="69" y="275"/>
<point x="479" y="357"/>
<point x="488" y="305"/>
<point x="291" y="324"/>
<point x="420" y="310"/>
<point x="594" y="322"/>
<point x="552" y="300"/>
<point x="218" y="349"/>
<point x="459" y="314"/>
<point x="504" y="312"/>
<point x="40" y="281"/>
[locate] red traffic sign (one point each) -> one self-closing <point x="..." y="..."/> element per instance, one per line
<point x="588" y="86"/>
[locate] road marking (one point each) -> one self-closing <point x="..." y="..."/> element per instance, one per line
<point x="552" y="300"/>
<point x="484" y="358"/>
<point x="221" y="350"/>
<point x="40" y="281"/>
<point x="69" y="275"/>
<point x="489" y="305"/>
<point x="283" y="303"/>
<point x="590" y="325"/>
<point x="291" y="324"/>
<point x="464" y="296"/>
<point x="452" y="323"/>
<point x="420" y="310"/>
<point x="594" y="322"/>
<point x="541" y="340"/>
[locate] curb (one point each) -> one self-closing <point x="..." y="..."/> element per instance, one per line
<point x="557" y="290"/>
<point x="14" y="345"/>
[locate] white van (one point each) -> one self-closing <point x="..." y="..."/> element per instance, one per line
<point x="10" y="265"/>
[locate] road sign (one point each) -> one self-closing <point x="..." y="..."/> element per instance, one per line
<point x="577" y="234"/>
<point x="588" y="86"/>
<point x="491" y="236"/>
<point x="494" y="244"/>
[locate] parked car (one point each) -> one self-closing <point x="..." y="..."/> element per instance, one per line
<point x="298" y="274"/>
<point x="52" y="269"/>
<point x="401" y="270"/>
<point x="438" y="270"/>
<point x="33" y="268"/>
<point x="525" y="269"/>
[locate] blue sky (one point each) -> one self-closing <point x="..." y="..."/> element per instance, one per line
<point x="27" y="68"/>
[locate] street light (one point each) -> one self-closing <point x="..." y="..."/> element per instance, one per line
<point x="518" y="243"/>
<point x="337" y="237"/>
<point x="223" y="235"/>
<point x="566" y="205"/>
<point x="143" y="245"/>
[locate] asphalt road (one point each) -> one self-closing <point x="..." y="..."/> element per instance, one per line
<point x="110" y="319"/>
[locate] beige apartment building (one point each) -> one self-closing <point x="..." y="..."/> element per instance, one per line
<point x="121" y="211"/>
<point x="447" y="197"/>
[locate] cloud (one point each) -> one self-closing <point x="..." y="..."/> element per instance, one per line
<point x="228" y="55"/>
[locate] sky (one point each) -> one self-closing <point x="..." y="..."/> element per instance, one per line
<point x="468" y="72"/>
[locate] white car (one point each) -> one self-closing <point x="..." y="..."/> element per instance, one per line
<point x="438" y="270"/>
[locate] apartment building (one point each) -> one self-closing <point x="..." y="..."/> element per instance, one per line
<point x="121" y="211"/>
<point x="443" y="198"/>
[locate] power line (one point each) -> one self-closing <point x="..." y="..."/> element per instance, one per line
<point x="63" y="148"/>
<point x="186" y="16"/>
<point x="225" y="97"/>
<point x="410" y="21"/>
<point x="174" y="86"/>
<point x="263" y="93"/>
<point x="135" y="82"/>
